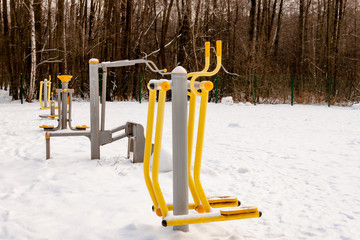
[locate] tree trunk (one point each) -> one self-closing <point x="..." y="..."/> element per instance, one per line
<point x="31" y="90"/>
<point x="164" y="29"/>
<point x="60" y="21"/>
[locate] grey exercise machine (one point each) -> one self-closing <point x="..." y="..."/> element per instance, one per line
<point x="64" y="98"/>
<point x="97" y="134"/>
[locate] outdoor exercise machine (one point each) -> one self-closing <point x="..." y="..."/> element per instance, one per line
<point x="97" y="134"/>
<point x="52" y="108"/>
<point x="45" y="89"/>
<point x="182" y="135"/>
<point x="64" y="98"/>
<point x="48" y="103"/>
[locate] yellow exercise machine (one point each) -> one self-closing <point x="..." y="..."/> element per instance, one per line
<point x="48" y="103"/>
<point x="182" y="143"/>
<point x="46" y="86"/>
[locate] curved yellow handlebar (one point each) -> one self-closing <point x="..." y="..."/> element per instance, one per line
<point x="207" y="74"/>
<point x="207" y="60"/>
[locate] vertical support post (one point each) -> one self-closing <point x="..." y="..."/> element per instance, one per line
<point x="64" y="94"/>
<point x="100" y="86"/>
<point x="21" y="89"/>
<point x="103" y="83"/>
<point x="216" y="89"/>
<point x="139" y="87"/>
<point x="52" y="108"/>
<point x="59" y="82"/>
<point x="180" y="150"/>
<point x="45" y="93"/>
<point x="329" y="98"/>
<point x="255" y="87"/>
<point x="292" y="90"/>
<point x="47" y="139"/>
<point x="94" y="108"/>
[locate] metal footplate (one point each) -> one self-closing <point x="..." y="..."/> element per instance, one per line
<point x="223" y="201"/>
<point x="226" y="214"/>
<point x="82" y="127"/>
<point x="47" y="127"/>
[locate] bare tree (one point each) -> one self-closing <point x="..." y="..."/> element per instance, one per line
<point x="31" y="90"/>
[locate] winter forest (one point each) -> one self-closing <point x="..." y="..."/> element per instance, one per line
<point x="312" y="45"/>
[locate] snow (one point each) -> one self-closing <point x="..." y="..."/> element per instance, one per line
<point x="4" y="96"/>
<point x="356" y="106"/>
<point x="298" y="164"/>
<point x="227" y="100"/>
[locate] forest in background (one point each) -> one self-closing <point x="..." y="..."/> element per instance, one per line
<point x="310" y="41"/>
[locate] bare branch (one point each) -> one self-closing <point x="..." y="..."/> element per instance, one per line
<point x="166" y="45"/>
<point x="49" y="61"/>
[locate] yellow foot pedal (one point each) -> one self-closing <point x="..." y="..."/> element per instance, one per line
<point x="238" y="210"/>
<point x="47" y="127"/>
<point x="82" y="127"/>
<point x="223" y="201"/>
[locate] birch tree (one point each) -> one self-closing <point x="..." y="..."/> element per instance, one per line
<point x="31" y="90"/>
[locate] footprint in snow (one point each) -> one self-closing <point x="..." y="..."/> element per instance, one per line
<point x="234" y="125"/>
<point x="243" y="170"/>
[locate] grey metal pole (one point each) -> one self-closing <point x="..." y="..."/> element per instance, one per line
<point x="94" y="108"/>
<point x="45" y="93"/>
<point x="103" y="100"/>
<point x="47" y="139"/>
<point x="180" y="150"/>
<point x="64" y="105"/>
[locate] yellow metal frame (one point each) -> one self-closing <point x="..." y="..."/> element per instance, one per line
<point x="157" y="150"/>
<point x="201" y="202"/>
<point x="191" y="122"/>
<point x="209" y="217"/>
<point x="153" y="185"/>
<point x="207" y="74"/>
<point x="41" y="92"/>
<point x="147" y="152"/>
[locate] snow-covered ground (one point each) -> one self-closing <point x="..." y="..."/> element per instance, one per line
<point x="300" y="165"/>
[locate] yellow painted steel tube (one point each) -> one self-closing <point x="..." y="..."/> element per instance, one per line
<point x="49" y="91"/>
<point x="208" y="74"/>
<point x="207" y="60"/>
<point x="157" y="150"/>
<point x="40" y="95"/>
<point x="191" y="122"/>
<point x="204" y="219"/>
<point x="191" y="129"/>
<point x="193" y="206"/>
<point x="199" y="147"/>
<point x="147" y="152"/>
<point x="170" y="207"/>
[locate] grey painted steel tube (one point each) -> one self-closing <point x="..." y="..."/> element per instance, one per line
<point x="52" y="108"/>
<point x="47" y="148"/>
<point x="45" y="93"/>
<point x="103" y="100"/>
<point x="121" y="136"/>
<point x="94" y="108"/>
<point x="64" y="106"/>
<point x="118" y="129"/>
<point x="59" y="114"/>
<point x="70" y="111"/>
<point x="69" y="134"/>
<point x="180" y="150"/>
<point x="70" y="108"/>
